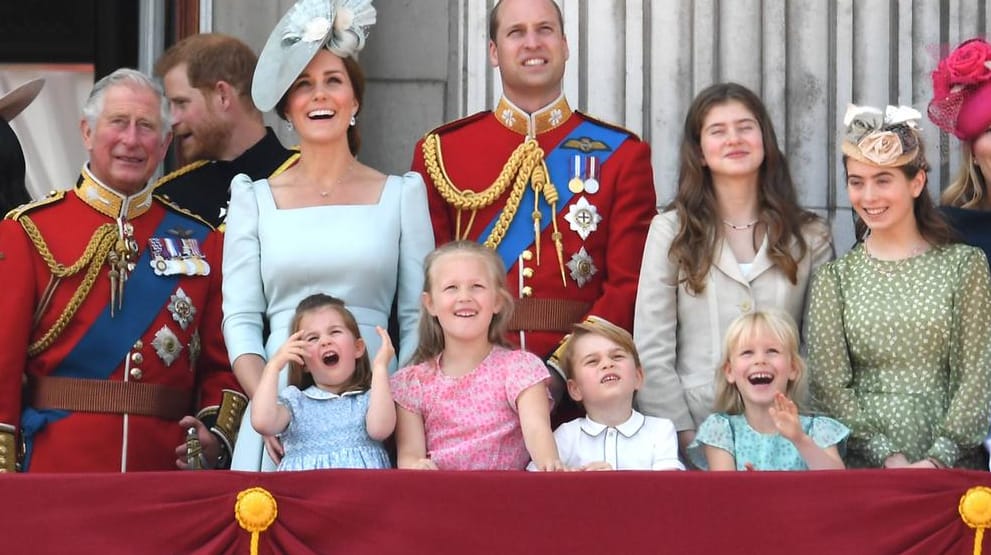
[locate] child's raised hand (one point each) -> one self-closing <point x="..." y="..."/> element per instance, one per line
<point x="785" y="416"/>
<point x="291" y="351"/>
<point x="386" y="351"/>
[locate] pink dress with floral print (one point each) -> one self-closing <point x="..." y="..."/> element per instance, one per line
<point x="471" y="421"/>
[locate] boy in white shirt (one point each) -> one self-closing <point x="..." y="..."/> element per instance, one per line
<point x="603" y="369"/>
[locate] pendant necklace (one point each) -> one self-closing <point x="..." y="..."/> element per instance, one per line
<point x="740" y="227"/>
<point x="338" y="181"/>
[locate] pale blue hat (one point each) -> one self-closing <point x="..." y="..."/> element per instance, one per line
<point x="337" y="25"/>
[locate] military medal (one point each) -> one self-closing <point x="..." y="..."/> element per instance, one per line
<point x="592" y="182"/>
<point x="581" y="266"/>
<point x="182" y="309"/>
<point x="576" y="184"/>
<point x="158" y="262"/>
<point x="583" y="218"/>
<point x="167" y="345"/>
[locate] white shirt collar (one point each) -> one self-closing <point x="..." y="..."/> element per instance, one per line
<point x="314" y="392"/>
<point x="628" y="428"/>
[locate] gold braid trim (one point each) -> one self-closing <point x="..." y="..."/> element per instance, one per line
<point x="521" y="165"/>
<point x="100" y="245"/>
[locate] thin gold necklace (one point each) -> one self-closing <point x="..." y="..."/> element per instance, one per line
<point x="893" y="265"/>
<point x="339" y="180"/>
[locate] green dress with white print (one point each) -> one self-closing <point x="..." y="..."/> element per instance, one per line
<point x="900" y="352"/>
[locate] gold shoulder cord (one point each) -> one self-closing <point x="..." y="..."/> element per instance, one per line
<point x="525" y="165"/>
<point x="92" y="259"/>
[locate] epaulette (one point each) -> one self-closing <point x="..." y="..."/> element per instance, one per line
<point x="613" y="126"/>
<point x="458" y="123"/>
<point x="53" y="197"/>
<point x="289" y="162"/>
<point x="167" y="202"/>
<point x="180" y="172"/>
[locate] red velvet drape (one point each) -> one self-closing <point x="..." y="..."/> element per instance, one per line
<point x="392" y="511"/>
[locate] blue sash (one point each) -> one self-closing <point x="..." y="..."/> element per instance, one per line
<point x="109" y="339"/>
<point x="519" y="236"/>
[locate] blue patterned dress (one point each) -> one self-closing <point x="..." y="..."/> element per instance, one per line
<point x="328" y="431"/>
<point x="732" y="433"/>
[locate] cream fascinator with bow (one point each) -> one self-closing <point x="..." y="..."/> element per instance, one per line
<point x="337" y="25"/>
<point x="888" y="139"/>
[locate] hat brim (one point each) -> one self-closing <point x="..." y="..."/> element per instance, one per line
<point x="280" y="63"/>
<point x="852" y="151"/>
<point x="14" y="102"/>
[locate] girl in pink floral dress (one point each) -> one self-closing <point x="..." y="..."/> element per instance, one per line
<point x="467" y="402"/>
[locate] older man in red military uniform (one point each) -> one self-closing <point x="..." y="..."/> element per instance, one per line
<point x="111" y="311"/>
<point x="565" y="199"/>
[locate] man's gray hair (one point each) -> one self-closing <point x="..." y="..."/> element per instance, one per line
<point x="131" y="77"/>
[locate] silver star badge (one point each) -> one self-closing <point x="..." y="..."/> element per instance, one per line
<point x="166" y="345"/>
<point x="583" y="218"/>
<point x="582" y="268"/>
<point x="182" y="309"/>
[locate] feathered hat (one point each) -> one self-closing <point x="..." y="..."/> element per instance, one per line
<point x="888" y="139"/>
<point x="337" y="25"/>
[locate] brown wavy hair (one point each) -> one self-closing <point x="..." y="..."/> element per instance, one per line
<point x="699" y="226"/>
<point x="361" y="379"/>
<point x="431" y="333"/>
<point x="928" y="219"/>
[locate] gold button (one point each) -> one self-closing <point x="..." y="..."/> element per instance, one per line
<point x="136" y="358"/>
<point x="136" y="373"/>
<point x="745" y="306"/>
<point x="528" y="272"/>
<point x="526" y="291"/>
<point x="527" y="254"/>
<point x="3" y="449"/>
<point x="138" y="345"/>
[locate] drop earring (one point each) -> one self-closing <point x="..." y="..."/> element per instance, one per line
<point x="353" y="121"/>
<point x="289" y="125"/>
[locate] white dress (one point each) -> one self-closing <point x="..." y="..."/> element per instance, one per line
<point x="366" y="255"/>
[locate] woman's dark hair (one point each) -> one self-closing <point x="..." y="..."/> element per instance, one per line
<point x="693" y="247"/>
<point x="928" y="218"/>
<point x="13" y="192"/>
<point x="357" y="78"/>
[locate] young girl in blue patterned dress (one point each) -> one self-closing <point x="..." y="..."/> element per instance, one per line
<point x="342" y="409"/>
<point x="756" y="425"/>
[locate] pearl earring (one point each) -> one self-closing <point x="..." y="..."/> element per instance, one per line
<point x="289" y="125"/>
<point x="353" y="121"/>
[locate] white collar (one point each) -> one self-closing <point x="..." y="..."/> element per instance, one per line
<point x="628" y="428"/>
<point x="314" y="392"/>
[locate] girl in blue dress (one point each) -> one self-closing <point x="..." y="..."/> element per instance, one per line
<point x="756" y="425"/>
<point x="342" y="409"/>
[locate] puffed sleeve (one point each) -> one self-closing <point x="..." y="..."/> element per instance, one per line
<point x="408" y="388"/>
<point x="244" y="298"/>
<point x="827" y="432"/>
<point x="715" y="431"/>
<point x="830" y="371"/>
<point x="415" y="243"/>
<point x="966" y="420"/>
<point x="655" y="327"/>
<point x="523" y="371"/>
<point x="441" y="221"/>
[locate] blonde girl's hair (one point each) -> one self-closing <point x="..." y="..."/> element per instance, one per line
<point x="431" y="334"/>
<point x="600" y="327"/>
<point x="779" y="325"/>
<point x="361" y="379"/>
<point x="968" y="189"/>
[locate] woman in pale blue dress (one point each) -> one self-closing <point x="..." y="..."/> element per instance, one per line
<point x="327" y="223"/>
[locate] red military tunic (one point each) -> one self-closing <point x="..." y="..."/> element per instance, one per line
<point x="475" y="151"/>
<point x="181" y="348"/>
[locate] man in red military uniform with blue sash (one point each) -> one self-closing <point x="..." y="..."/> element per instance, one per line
<point x="111" y="311"/>
<point x="565" y="199"/>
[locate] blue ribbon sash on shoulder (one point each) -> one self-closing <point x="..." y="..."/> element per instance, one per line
<point x="519" y="236"/>
<point x="109" y="339"/>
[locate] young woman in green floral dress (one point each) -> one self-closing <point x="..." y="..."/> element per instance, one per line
<point x="900" y="327"/>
